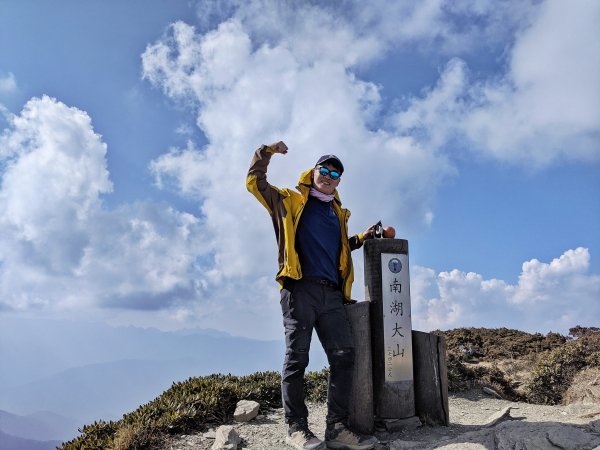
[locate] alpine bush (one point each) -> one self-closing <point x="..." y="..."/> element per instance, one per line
<point x="462" y="377"/>
<point x="489" y="344"/>
<point x="555" y="369"/>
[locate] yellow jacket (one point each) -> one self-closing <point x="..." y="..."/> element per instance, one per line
<point x="285" y="207"/>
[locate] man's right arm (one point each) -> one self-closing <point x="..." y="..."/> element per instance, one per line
<point x="256" y="180"/>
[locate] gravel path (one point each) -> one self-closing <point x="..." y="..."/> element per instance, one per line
<point x="578" y="425"/>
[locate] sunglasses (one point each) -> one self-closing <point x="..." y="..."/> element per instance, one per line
<point x="333" y="174"/>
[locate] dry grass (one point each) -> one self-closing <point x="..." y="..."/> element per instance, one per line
<point x="518" y="369"/>
<point x="135" y="437"/>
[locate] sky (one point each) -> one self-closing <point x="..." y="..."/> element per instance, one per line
<point x="127" y="128"/>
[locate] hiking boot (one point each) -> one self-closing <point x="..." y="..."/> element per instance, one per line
<point x="340" y="436"/>
<point x="301" y="438"/>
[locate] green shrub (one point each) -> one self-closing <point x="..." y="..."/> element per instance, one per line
<point x="578" y="331"/>
<point x="489" y="344"/>
<point x="462" y="378"/>
<point x="555" y="369"/>
<point x="97" y="436"/>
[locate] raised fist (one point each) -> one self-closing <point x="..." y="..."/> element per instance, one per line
<point x="279" y="147"/>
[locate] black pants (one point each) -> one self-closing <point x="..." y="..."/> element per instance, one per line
<point x="307" y="305"/>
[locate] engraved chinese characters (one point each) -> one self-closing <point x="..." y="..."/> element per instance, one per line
<point x="397" y="327"/>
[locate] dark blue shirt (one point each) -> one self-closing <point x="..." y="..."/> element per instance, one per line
<point x="318" y="240"/>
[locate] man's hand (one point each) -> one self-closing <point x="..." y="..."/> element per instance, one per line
<point x="369" y="233"/>
<point x="279" y="147"/>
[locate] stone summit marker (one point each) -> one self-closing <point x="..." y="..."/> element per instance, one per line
<point x="400" y="375"/>
<point x="387" y="288"/>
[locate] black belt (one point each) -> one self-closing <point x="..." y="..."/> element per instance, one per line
<point x="321" y="281"/>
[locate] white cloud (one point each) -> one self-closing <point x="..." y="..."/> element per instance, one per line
<point x="55" y="171"/>
<point x="540" y="283"/>
<point x="185" y="168"/>
<point x="60" y="248"/>
<point x="274" y="71"/>
<point x="542" y="110"/>
<point x="8" y="83"/>
<point x="62" y="252"/>
<point x="281" y="90"/>
<point x="447" y="26"/>
<point x="548" y="297"/>
<point x="211" y="62"/>
<point x="149" y="255"/>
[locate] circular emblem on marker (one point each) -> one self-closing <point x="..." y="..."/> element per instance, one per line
<point x="395" y="265"/>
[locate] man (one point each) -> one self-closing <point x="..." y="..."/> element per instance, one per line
<point x="315" y="274"/>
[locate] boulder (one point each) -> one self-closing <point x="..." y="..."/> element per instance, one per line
<point x="246" y="410"/>
<point x="520" y="435"/>
<point x="226" y="438"/>
<point x="524" y="435"/>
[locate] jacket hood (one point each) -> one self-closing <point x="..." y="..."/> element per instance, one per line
<point x="305" y="183"/>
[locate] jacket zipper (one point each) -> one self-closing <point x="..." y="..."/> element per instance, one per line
<point x="347" y="249"/>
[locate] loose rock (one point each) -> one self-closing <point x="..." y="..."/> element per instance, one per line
<point x="499" y="416"/>
<point x="210" y="434"/>
<point x="226" y="438"/>
<point x="489" y="391"/>
<point x="246" y="410"/>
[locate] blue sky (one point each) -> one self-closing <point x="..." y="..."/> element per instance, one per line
<point x="127" y="127"/>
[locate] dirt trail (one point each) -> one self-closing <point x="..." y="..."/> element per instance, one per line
<point x="528" y="426"/>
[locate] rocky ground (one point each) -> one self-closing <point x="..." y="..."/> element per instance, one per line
<point x="474" y="424"/>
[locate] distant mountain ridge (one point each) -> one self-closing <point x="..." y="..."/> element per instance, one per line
<point x="107" y="390"/>
<point x="8" y="442"/>
<point x="40" y="426"/>
<point x="33" y="349"/>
